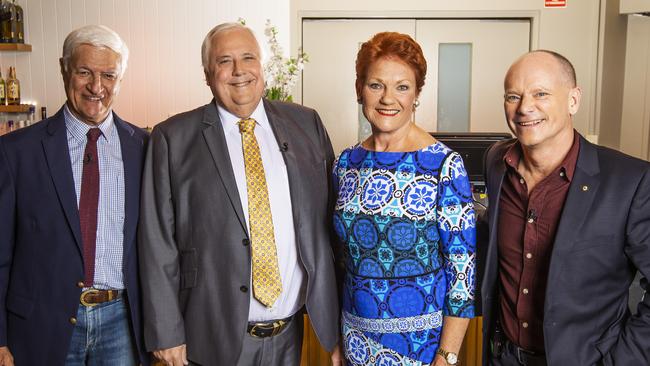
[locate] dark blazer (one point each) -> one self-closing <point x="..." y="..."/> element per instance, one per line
<point x="195" y="259"/>
<point x="40" y="239"/>
<point x="602" y="239"/>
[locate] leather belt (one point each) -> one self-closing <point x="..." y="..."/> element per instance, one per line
<point x="526" y="357"/>
<point x="93" y="296"/>
<point x="267" y="329"/>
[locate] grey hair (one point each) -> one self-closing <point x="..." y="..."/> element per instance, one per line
<point x="98" y="36"/>
<point x="206" y="47"/>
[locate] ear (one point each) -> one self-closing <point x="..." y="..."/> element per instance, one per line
<point x="575" y="95"/>
<point x="61" y="65"/>
<point x="206" y="73"/>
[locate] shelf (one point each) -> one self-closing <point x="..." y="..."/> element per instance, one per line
<point x="20" y="108"/>
<point x="21" y="47"/>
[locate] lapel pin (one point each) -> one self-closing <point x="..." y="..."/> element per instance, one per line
<point x="585" y="188"/>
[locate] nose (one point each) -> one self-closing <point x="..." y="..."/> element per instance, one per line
<point x="237" y="68"/>
<point x="95" y="84"/>
<point x="387" y="97"/>
<point x="526" y="105"/>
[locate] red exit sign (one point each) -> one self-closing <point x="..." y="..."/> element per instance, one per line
<point x="554" y="3"/>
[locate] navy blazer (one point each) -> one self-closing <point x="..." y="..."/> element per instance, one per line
<point x="603" y="238"/>
<point x="40" y="239"/>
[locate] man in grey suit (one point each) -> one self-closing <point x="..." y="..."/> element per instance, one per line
<point x="235" y="225"/>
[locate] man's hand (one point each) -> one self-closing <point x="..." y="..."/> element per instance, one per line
<point x="337" y="356"/>
<point x="6" y="359"/>
<point x="175" y="356"/>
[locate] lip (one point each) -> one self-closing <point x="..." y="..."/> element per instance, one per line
<point x="388" y="112"/>
<point x="241" y="84"/>
<point x="530" y="122"/>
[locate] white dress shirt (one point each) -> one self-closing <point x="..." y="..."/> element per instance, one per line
<point x="291" y="271"/>
<point x="110" y="211"/>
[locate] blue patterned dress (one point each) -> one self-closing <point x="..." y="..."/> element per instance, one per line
<point x="407" y="225"/>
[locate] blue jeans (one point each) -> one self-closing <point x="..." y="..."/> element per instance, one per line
<point x="102" y="336"/>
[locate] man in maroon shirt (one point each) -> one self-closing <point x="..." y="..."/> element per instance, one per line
<point x="569" y="228"/>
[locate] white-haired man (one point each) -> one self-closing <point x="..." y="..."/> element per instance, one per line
<point x="69" y="194"/>
<point x="234" y="227"/>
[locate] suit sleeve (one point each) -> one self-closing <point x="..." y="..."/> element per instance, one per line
<point x="633" y="343"/>
<point x="8" y="209"/>
<point x="158" y="252"/>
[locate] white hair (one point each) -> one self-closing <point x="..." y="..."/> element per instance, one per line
<point x="206" y="47"/>
<point x="98" y="36"/>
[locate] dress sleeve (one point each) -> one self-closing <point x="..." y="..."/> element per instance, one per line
<point x="457" y="229"/>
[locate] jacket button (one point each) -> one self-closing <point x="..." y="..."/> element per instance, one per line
<point x="245" y="242"/>
<point x="243" y="289"/>
<point x="73" y="320"/>
<point x="80" y="284"/>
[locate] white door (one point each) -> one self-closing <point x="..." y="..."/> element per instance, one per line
<point x="332" y="45"/>
<point x="493" y="46"/>
<point x="328" y="78"/>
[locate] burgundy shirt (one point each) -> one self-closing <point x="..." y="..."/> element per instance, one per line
<point x="526" y="232"/>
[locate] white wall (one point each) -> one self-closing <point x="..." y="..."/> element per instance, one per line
<point x="164" y="75"/>
<point x="573" y="31"/>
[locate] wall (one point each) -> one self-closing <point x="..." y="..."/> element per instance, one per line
<point x="572" y="31"/>
<point x="164" y="75"/>
<point x="635" y="128"/>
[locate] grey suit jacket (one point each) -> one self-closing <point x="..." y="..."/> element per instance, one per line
<point x="194" y="252"/>
<point x="602" y="239"/>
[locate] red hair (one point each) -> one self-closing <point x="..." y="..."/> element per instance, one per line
<point x="392" y="45"/>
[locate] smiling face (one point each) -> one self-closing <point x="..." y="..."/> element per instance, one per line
<point x="540" y="101"/>
<point x="388" y="94"/>
<point x="234" y="71"/>
<point x="92" y="80"/>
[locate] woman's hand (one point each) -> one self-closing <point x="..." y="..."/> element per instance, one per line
<point x="337" y="356"/>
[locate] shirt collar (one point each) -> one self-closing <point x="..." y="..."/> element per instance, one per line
<point x="79" y="129"/>
<point x="229" y="120"/>
<point x="568" y="165"/>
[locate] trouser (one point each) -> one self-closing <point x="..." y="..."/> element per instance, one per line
<point x="102" y="336"/>
<point x="512" y="355"/>
<point x="282" y="349"/>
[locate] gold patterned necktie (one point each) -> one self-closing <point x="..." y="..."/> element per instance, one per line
<point x="267" y="284"/>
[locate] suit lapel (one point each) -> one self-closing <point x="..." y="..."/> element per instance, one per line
<point x="55" y="146"/>
<point x="216" y="141"/>
<point x="580" y="197"/>
<point x="284" y="135"/>
<point x="132" y="148"/>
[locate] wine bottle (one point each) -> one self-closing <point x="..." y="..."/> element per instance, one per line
<point x="20" y="23"/>
<point x="3" y="90"/>
<point x="8" y="22"/>
<point x="13" y="88"/>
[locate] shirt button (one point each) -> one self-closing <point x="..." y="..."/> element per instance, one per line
<point x="80" y="284"/>
<point x="521" y="180"/>
<point x="524" y="324"/>
<point x="529" y="255"/>
<point x="531" y="220"/>
<point x="561" y="174"/>
<point x="73" y="320"/>
<point x="525" y="291"/>
<point x="243" y="289"/>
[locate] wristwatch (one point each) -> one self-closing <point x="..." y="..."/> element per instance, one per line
<point x="450" y="357"/>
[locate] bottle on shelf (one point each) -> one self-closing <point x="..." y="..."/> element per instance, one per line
<point x="20" y="23"/>
<point x="13" y="87"/>
<point x="3" y="90"/>
<point x="43" y="113"/>
<point x="8" y="23"/>
<point x="32" y="115"/>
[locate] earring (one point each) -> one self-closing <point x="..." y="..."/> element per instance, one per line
<point x="416" y="103"/>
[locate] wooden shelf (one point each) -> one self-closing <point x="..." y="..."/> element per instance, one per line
<point x="20" y="108"/>
<point x="20" y="47"/>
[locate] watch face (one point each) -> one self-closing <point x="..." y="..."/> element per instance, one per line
<point x="452" y="358"/>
